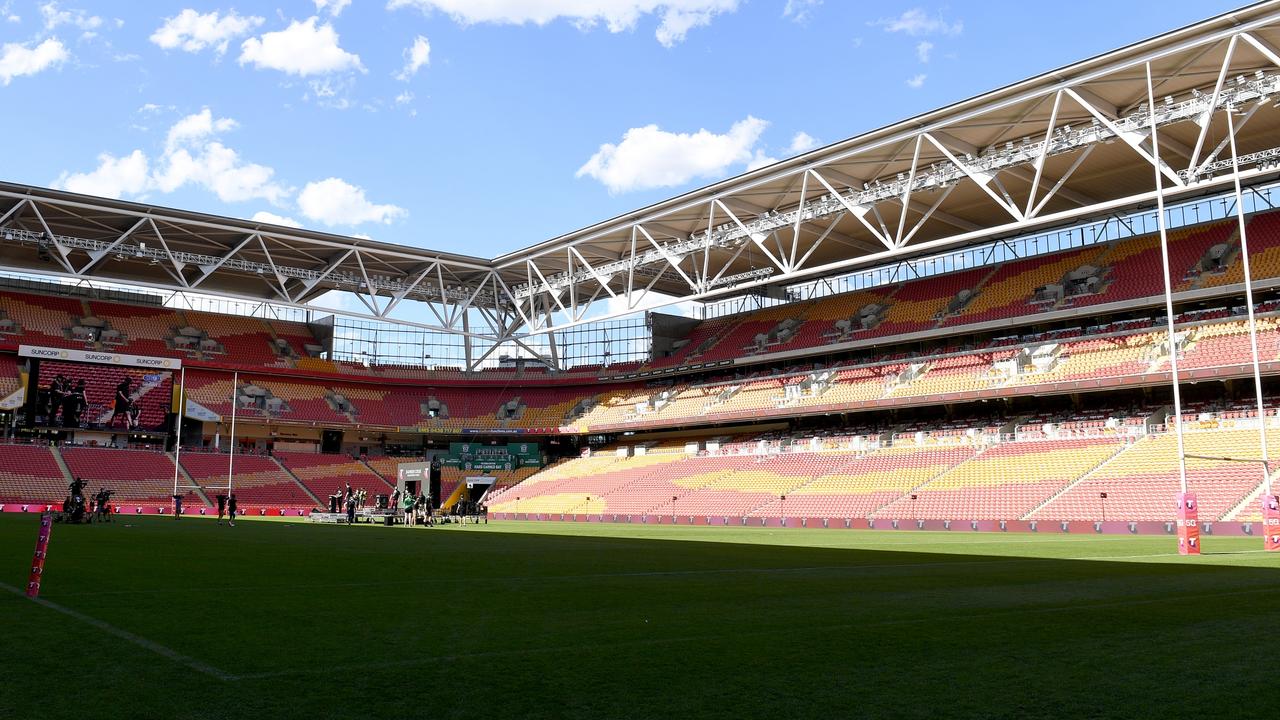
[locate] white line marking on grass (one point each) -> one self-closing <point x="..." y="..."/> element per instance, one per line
<point x="1169" y="554"/>
<point x="145" y="644"/>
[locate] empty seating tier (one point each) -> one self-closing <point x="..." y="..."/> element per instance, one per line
<point x="1142" y="482"/>
<point x="142" y="476"/>
<point x="255" y="479"/>
<point x="1005" y="482"/>
<point x="30" y="473"/>
<point x="324" y="475"/>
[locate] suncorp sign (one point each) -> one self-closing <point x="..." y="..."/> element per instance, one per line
<point x="138" y="361"/>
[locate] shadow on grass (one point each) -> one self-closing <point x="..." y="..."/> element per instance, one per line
<point x="334" y="621"/>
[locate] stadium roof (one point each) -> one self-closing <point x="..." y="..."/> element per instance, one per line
<point x="1049" y="151"/>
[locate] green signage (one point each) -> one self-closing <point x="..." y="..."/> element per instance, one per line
<point x="476" y="456"/>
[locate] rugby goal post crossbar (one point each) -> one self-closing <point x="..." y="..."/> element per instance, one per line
<point x="1271" y="540"/>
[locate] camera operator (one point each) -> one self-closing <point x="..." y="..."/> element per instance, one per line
<point x="76" y="491"/>
<point x="102" y="505"/>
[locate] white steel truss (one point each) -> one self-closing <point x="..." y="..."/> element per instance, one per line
<point x="1071" y="145"/>
<point x="936" y="163"/>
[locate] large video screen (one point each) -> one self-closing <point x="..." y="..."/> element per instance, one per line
<point x="101" y="397"/>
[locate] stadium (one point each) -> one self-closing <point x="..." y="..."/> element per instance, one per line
<point x="974" y="418"/>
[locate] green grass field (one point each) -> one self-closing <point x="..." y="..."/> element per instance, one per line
<point x="152" y="618"/>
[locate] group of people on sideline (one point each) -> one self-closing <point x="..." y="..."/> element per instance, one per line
<point x="79" y="506"/>
<point x="228" y="506"/>
<point x="414" y="509"/>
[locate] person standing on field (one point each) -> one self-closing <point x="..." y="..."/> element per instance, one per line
<point x="407" y="505"/>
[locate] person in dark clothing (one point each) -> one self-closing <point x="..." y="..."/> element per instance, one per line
<point x="77" y="509"/>
<point x="57" y="393"/>
<point x="78" y="503"/>
<point x="222" y="506"/>
<point x="123" y="406"/>
<point x="74" y="404"/>
<point x="177" y="506"/>
<point x="351" y="510"/>
<point x="103" y="502"/>
<point x="231" y="510"/>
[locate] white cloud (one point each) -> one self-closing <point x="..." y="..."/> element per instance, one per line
<point x="17" y="60"/>
<point x="331" y="92"/>
<point x="676" y="17"/>
<point x="649" y="157"/>
<point x="916" y="81"/>
<point x="193" y="32"/>
<point x="759" y="160"/>
<point x="676" y="23"/>
<point x="336" y="202"/>
<point x="263" y="216"/>
<point x="802" y="142"/>
<point x="918" y="22"/>
<point x="220" y="170"/>
<point x="333" y="7"/>
<point x="6" y="11"/>
<point x="415" y="56"/>
<point x="113" y="178"/>
<point x="196" y="127"/>
<point x="404" y="98"/>
<point x="55" y="16"/>
<point x="800" y="10"/>
<point x="302" y="49"/>
<point x="192" y="156"/>
<point x="923" y="49"/>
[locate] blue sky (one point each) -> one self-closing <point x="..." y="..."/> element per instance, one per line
<point x="479" y="126"/>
